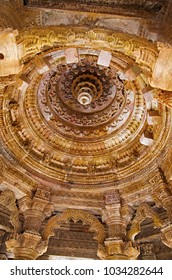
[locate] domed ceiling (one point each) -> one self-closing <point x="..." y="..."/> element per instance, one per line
<point x="84" y="114"/>
<point x="86" y="129"/>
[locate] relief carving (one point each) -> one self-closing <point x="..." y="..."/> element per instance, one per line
<point x="8" y="200"/>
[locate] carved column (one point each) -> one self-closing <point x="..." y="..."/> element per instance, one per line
<point x="116" y="218"/>
<point x="29" y="245"/>
<point x="112" y="216"/>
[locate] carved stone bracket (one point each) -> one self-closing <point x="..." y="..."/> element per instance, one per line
<point x="120" y="250"/>
<point x="26" y="246"/>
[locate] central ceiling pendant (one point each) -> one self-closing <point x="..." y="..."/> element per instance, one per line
<point x="84" y="97"/>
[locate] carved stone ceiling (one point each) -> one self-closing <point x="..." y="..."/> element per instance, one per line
<point x="83" y="115"/>
<point x="86" y="116"/>
<point x="103" y="6"/>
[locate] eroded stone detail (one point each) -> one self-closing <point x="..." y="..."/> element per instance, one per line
<point x="8" y="200"/>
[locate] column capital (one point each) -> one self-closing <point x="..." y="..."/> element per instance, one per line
<point x="26" y="246"/>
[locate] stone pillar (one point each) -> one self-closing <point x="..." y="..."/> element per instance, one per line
<point x="116" y="218"/>
<point x="112" y="216"/>
<point x="29" y="245"/>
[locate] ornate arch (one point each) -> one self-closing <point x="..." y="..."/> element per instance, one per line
<point x="75" y="215"/>
<point x="144" y="211"/>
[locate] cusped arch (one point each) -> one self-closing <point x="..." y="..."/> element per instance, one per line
<point x="144" y="211"/>
<point x="76" y="215"/>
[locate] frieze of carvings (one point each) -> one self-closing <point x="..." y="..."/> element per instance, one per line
<point x="105" y="6"/>
<point x="12" y="174"/>
<point x="34" y="40"/>
<point x="97" y="196"/>
<point x="75" y="215"/>
<point x="8" y="200"/>
<point x="31" y="18"/>
<point x="79" y="202"/>
<point x="143" y="211"/>
<point x="77" y="199"/>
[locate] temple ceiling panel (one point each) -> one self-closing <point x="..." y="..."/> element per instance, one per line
<point x="84" y="114"/>
<point x="105" y="6"/>
<point x="85" y="129"/>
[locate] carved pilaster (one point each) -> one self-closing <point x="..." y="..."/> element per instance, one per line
<point x="29" y="245"/>
<point x="112" y="216"/>
<point x="117" y="218"/>
<point x="35" y="210"/>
